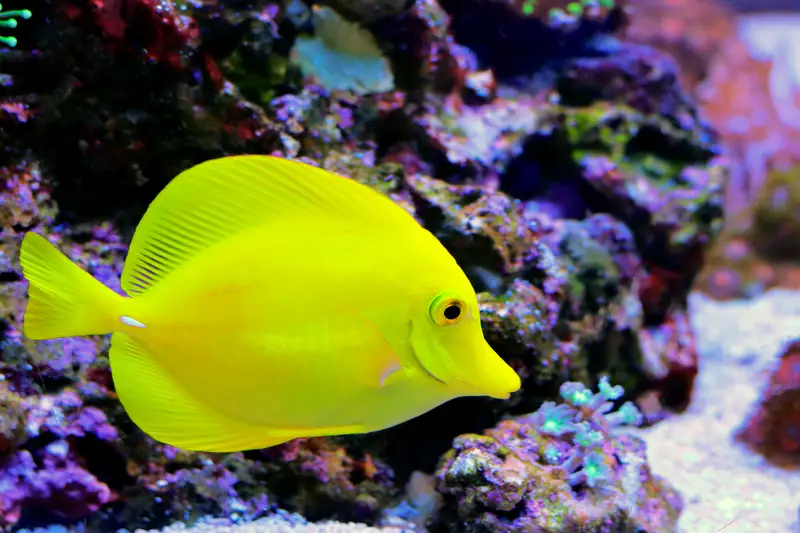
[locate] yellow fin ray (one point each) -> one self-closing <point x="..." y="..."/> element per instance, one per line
<point x="217" y="199"/>
<point x="64" y="300"/>
<point x="165" y="411"/>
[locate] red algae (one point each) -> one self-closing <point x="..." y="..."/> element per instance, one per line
<point x="773" y="428"/>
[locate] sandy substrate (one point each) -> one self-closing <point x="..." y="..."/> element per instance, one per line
<point x="274" y="526"/>
<point x="280" y="523"/>
<point x="724" y="485"/>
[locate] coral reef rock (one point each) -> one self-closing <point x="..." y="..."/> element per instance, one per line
<point x="773" y="429"/>
<point x="576" y="184"/>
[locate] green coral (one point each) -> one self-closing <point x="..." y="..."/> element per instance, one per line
<point x="584" y="416"/>
<point x="8" y="19"/>
<point x="528" y="6"/>
<point x="572" y="11"/>
<point x="557" y="420"/>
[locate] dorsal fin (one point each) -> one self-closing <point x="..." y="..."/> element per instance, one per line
<point x="217" y="199"/>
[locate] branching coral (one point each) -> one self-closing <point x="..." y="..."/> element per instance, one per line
<point x="8" y="20"/>
<point x="585" y="422"/>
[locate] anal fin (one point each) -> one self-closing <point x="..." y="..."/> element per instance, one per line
<point x="169" y="414"/>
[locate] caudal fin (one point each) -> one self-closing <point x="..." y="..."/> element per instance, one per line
<point x="63" y="300"/>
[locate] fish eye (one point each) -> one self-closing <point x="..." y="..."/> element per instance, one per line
<point x="447" y="309"/>
<point x="452" y="311"/>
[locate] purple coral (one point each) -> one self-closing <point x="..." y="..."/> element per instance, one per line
<point x="64" y="416"/>
<point x="53" y="475"/>
<point x="58" y="484"/>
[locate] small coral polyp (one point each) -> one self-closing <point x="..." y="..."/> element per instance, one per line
<point x="8" y="19"/>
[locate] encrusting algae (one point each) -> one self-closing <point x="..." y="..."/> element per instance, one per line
<point x="265" y="303"/>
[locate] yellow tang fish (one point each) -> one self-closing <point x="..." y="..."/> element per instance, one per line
<point x="268" y="300"/>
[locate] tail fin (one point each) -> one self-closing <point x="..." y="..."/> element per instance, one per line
<point x="63" y="300"/>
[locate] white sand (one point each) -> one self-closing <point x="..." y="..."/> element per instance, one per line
<point x="282" y="523"/>
<point x="722" y="482"/>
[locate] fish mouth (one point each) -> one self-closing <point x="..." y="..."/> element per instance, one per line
<point x="481" y="389"/>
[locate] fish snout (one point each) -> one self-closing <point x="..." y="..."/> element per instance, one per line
<point x="492" y="376"/>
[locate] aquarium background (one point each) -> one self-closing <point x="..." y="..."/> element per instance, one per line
<point x="619" y="180"/>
